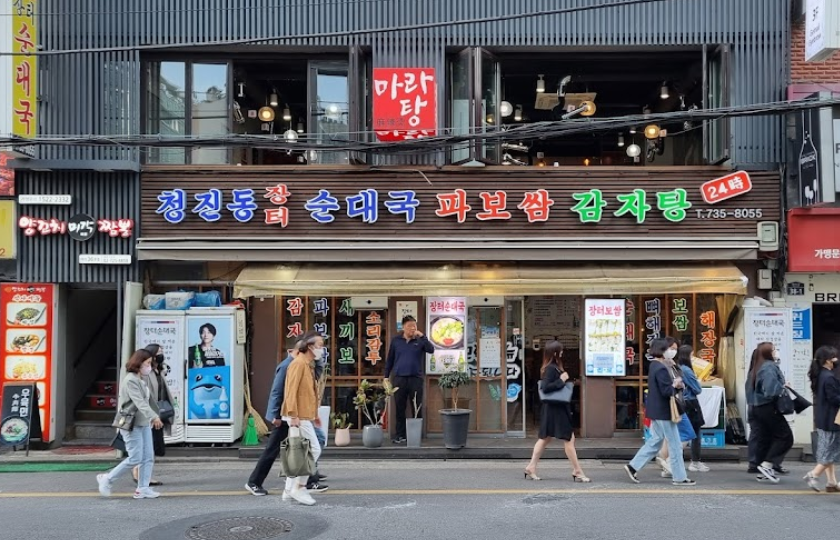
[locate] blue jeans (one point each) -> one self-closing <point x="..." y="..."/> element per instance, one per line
<point x="141" y="451"/>
<point x="661" y="431"/>
<point x="322" y="436"/>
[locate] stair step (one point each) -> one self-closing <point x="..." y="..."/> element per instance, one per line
<point x="101" y="402"/>
<point x="99" y="432"/>
<point x="107" y="388"/>
<point x="88" y="442"/>
<point x="105" y="416"/>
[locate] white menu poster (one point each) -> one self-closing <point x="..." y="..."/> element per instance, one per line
<point x="168" y="332"/>
<point x="774" y="325"/>
<point x="604" y="337"/>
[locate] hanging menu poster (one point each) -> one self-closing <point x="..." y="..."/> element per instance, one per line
<point x="774" y="325"/>
<point x="447" y="318"/>
<point x="604" y="337"/>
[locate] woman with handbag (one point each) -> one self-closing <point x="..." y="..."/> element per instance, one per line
<point x="692" y="405"/>
<point x="135" y="419"/>
<point x="664" y="413"/>
<point x="161" y="404"/>
<point x="765" y="385"/>
<point x="556" y="415"/>
<point x="826" y="389"/>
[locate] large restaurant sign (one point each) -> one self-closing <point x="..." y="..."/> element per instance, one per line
<point x="370" y="204"/>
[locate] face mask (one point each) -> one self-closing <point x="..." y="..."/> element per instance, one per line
<point x="159" y="359"/>
<point x="145" y="370"/>
<point x="670" y="354"/>
<point x="318" y="352"/>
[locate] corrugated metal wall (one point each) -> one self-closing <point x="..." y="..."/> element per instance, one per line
<point x="55" y="258"/>
<point x="99" y="92"/>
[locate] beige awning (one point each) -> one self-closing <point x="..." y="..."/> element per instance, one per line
<point x="420" y="279"/>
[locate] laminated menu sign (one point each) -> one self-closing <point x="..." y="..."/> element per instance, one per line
<point x="774" y="325"/>
<point x="17" y="423"/>
<point x="447" y="318"/>
<point x="604" y="337"/>
<point x="26" y="327"/>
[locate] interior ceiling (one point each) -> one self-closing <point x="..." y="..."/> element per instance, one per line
<point x="261" y="78"/>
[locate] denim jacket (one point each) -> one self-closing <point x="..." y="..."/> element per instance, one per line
<point x="692" y="385"/>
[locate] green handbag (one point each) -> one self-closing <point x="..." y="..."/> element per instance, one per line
<point x="296" y="455"/>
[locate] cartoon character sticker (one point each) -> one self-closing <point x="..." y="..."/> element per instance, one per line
<point x="209" y="393"/>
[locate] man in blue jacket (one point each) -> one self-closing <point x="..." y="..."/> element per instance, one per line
<point x="278" y="434"/>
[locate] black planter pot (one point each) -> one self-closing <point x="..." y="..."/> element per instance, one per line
<point x="456" y="425"/>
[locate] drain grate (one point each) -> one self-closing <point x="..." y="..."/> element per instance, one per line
<point x="240" y="528"/>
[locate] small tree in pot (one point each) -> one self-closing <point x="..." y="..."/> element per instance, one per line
<point x="371" y="399"/>
<point x="455" y="421"/>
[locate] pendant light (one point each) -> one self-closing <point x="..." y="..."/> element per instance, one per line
<point x="506" y="109"/>
<point x="664" y="92"/>
<point x="621" y="140"/>
<point x="287" y="114"/>
<point x="517" y="115"/>
<point x="272" y="99"/>
<point x="290" y="136"/>
<point x="633" y="130"/>
<point x="540" y="84"/>
<point x="300" y="127"/>
<point x="634" y="150"/>
<point x="266" y="114"/>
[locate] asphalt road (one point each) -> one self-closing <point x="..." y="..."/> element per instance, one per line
<point x="420" y="499"/>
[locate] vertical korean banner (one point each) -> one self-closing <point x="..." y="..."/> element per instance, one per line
<point x="774" y="326"/>
<point x="168" y="332"/>
<point x="803" y="348"/>
<point x="605" y="337"/>
<point x="27" y="332"/>
<point x="24" y="69"/>
<point x="404" y="103"/>
<point x="446" y="323"/>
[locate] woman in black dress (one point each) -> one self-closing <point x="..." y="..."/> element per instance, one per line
<point x="556" y="418"/>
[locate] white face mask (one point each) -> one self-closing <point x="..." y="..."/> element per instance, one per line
<point x="318" y="352"/>
<point x="670" y="354"/>
<point x="145" y="370"/>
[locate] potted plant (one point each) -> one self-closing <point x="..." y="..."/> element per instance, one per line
<point x="414" y="426"/>
<point x="342" y="428"/>
<point x="371" y="399"/>
<point x="455" y="421"/>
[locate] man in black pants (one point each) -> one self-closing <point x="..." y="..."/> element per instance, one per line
<point x="405" y="361"/>
<point x="278" y="434"/>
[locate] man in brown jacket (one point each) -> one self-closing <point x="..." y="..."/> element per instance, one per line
<point x="300" y="407"/>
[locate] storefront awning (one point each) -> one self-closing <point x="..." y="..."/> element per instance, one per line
<point x="417" y="279"/>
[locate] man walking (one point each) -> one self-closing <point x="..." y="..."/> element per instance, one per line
<point x="405" y="361"/>
<point x="278" y="434"/>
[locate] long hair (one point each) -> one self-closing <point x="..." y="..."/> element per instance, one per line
<point x="823" y="355"/>
<point x="551" y="355"/>
<point x="684" y="355"/>
<point x="763" y="353"/>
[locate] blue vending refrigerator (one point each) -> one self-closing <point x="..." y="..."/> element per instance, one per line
<point x="214" y="349"/>
<point x="167" y="329"/>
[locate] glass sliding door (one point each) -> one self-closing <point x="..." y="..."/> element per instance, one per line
<point x="461" y="121"/>
<point x="329" y="109"/>
<point x="515" y="366"/>
<point x="209" y="111"/>
<point x="166" y="109"/>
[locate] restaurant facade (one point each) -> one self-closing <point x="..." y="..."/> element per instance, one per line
<point x="661" y="228"/>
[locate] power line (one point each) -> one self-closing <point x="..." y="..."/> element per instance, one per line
<point x="446" y="140"/>
<point x="349" y="33"/>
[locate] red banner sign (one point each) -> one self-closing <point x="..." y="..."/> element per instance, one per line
<point x="726" y="187"/>
<point x="404" y="103"/>
<point x="814" y="240"/>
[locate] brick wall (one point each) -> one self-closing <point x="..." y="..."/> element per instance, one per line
<point x="802" y="72"/>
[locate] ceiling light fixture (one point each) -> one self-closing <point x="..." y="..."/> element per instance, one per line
<point x="266" y="114"/>
<point x="540" y="84"/>
<point x="506" y="109"/>
<point x="634" y="150"/>
<point x="291" y="136"/>
<point x="300" y="127"/>
<point x="633" y="130"/>
<point x="621" y="140"/>
<point x="287" y="114"/>
<point x="652" y="131"/>
<point x="517" y="115"/>
<point x="272" y="99"/>
<point x="664" y="92"/>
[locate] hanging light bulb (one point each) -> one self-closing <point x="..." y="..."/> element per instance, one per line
<point x="266" y="114"/>
<point x="634" y="150"/>
<point x="506" y="109"/>
<point x="290" y="136"/>
<point x="664" y="92"/>
<point x="652" y="131"/>
<point x="620" y="140"/>
<point x="300" y="127"/>
<point x="517" y="115"/>
<point x="272" y="99"/>
<point x="490" y="119"/>
<point x="633" y="130"/>
<point x="586" y="162"/>
<point x="287" y="114"/>
<point x="540" y="84"/>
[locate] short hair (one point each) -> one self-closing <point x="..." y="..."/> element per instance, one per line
<point x="136" y="361"/>
<point x="658" y="347"/>
<point x="209" y="327"/>
<point x="408" y="318"/>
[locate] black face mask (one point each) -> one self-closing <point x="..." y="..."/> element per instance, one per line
<point x="159" y="360"/>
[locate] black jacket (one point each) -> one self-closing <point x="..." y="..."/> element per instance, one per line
<point x="660" y="390"/>
<point x="827" y="401"/>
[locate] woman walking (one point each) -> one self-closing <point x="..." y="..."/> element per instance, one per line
<point x="556" y="417"/>
<point x="160" y="391"/>
<point x="692" y="405"/>
<point x="826" y="389"/>
<point x="764" y="386"/>
<point x="662" y="387"/>
<point x="138" y="440"/>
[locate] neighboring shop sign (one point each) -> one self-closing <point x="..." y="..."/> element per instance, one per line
<point x="27" y="332"/>
<point x="46" y="200"/>
<point x="24" y="73"/>
<point x="364" y="204"/>
<point x="404" y="103"/>
<point x="774" y="325"/>
<point x="7" y="174"/>
<point x="446" y="320"/>
<point x="18" y="424"/>
<point x="7" y="230"/>
<point x="79" y="226"/>
<point x="814" y="240"/>
<point x="604" y="337"/>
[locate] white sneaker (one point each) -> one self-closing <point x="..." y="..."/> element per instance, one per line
<point x="766" y="469"/>
<point x="698" y="466"/>
<point x="146" y="493"/>
<point x="104" y="485"/>
<point x="286" y="496"/>
<point x="302" y="496"/>
<point x="666" y="474"/>
<point x="665" y="466"/>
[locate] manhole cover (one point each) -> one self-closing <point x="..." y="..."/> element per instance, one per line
<point x="240" y="528"/>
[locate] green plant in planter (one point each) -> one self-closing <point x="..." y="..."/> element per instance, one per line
<point x="452" y="381"/>
<point x="371" y="399"/>
<point x="340" y="420"/>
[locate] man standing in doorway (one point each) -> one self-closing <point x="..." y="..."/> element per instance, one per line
<point x="405" y="360"/>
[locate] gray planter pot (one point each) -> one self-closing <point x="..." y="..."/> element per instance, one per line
<point x="456" y="426"/>
<point x="372" y="436"/>
<point x="414" y="431"/>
